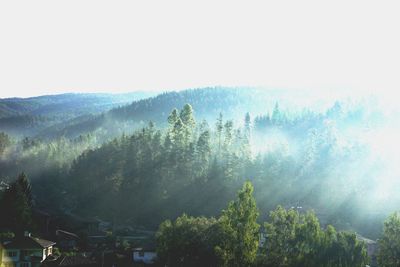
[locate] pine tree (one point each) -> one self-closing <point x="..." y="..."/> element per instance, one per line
<point x="247" y="126"/>
<point x="178" y="133"/>
<point x="219" y="127"/>
<point x="173" y="117"/>
<point x="203" y="151"/>
<point x="187" y="116"/>
<point x="276" y="115"/>
<point x="25" y="186"/>
<point x="189" y="123"/>
<point x="228" y="136"/>
<point x="246" y="140"/>
<point x="16" y="206"/>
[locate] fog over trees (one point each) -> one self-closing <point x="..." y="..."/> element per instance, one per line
<point x="312" y="167"/>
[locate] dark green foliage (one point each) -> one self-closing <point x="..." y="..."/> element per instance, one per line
<point x="187" y="241"/>
<point x="154" y="165"/>
<point x="24" y="185"/>
<point x="16" y="206"/>
<point x="232" y="240"/>
<point x="6" y="236"/>
<point x="389" y="244"/>
<point x="130" y="173"/>
<point x="169" y="167"/>
<point x="43" y="158"/>
<point x="239" y="223"/>
<point x="294" y="240"/>
<point x="291" y="240"/>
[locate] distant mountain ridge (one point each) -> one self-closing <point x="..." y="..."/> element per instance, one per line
<point x="207" y="103"/>
<point x="71" y="115"/>
<point x="53" y="104"/>
<point x="23" y="116"/>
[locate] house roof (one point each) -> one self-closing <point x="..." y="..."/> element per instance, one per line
<point x="41" y="213"/>
<point x="65" y="234"/>
<point x="145" y="248"/>
<point x="77" y="260"/>
<point x="28" y="242"/>
<point x="83" y="220"/>
<point x="365" y="240"/>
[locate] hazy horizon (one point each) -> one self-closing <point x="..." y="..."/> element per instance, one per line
<point x="387" y="96"/>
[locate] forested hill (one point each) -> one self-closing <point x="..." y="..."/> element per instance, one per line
<point x="195" y="167"/>
<point x="207" y="103"/>
<point x="27" y="116"/>
<point x="324" y="160"/>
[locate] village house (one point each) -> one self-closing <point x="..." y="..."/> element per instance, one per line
<point x="25" y="251"/>
<point x="67" y="241"/>
<point x="146" y="255"/>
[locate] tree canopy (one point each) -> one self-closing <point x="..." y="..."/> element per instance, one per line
<point x="389" y="244"/>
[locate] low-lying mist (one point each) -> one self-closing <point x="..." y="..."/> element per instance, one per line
<point x="335" y="154"/>
<point x="347" y="156"/>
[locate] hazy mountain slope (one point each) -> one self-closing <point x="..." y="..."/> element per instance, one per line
<point x="233" y="103"/>
<point x="310" y="160"/>
<point x="26" y="116"/>
<point x="66" y="104"/>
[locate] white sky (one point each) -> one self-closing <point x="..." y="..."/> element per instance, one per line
<point x="92" y="46"/>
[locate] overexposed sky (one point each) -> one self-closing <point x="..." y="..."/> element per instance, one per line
<point x="97" y="46"/>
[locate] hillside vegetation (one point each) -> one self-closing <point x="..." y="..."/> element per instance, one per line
<point x="190" y="151"/>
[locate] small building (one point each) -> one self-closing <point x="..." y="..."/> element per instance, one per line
<point x="99" y="240"/>
<point x="80" y="224"/>
<point x="26" y="251"/>
<point x="66" y="240"/>
<point x="146" y="255"/>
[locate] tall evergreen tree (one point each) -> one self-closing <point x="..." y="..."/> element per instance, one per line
<point x="219" y="127"/>
<point x="16" y="206"/>
<point x="173" y="117"/>
<point x="25" y="186"/>
<point x="187" y="116"/>
<point x="276" y="114"/>
<point x="247" y="126"/>
<point x="203" y="152"/>
<point x="228" y="136"/>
